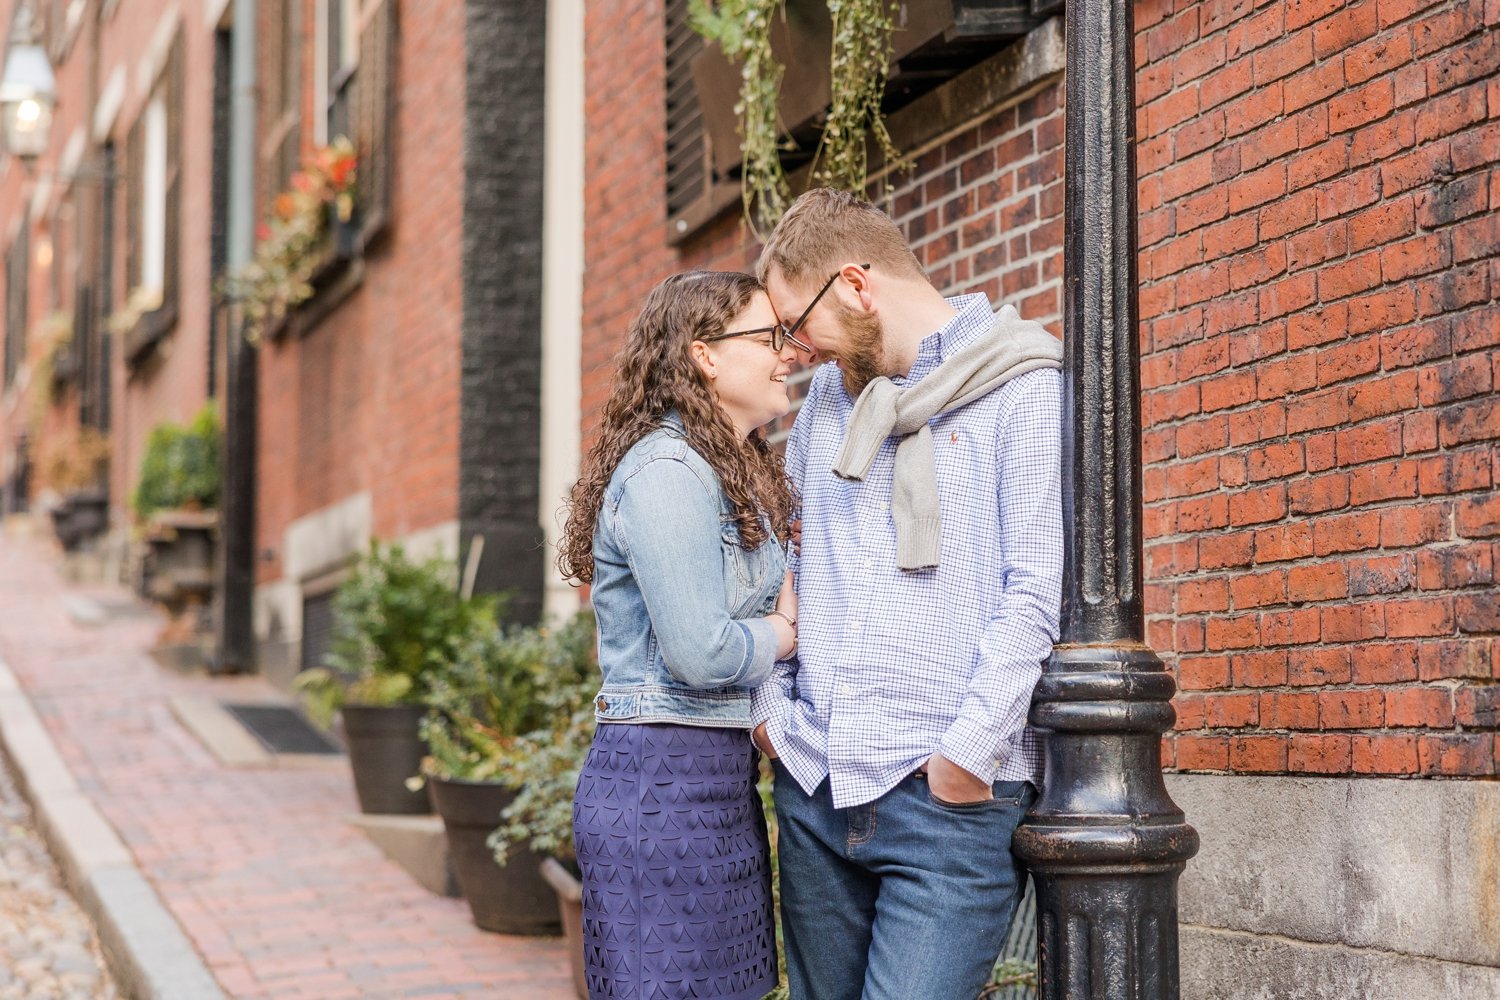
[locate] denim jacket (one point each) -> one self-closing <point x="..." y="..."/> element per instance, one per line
<point x="673" y="590"/>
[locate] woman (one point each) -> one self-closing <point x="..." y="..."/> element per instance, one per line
<point x="680" y="524"/>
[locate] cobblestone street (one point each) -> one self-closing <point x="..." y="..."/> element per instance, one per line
<point x="47" y="946"/>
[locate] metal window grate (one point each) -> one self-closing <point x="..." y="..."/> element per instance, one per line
<point x="317" y="629"/>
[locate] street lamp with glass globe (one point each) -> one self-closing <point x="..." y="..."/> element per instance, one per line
<point x="28" y="93"/>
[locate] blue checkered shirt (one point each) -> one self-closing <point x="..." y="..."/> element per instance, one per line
<point x="892" y="666"/>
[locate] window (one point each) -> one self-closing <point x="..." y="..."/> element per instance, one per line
<point x="153" y="209"/>
<point x="337" y="60"/>
<point x="354" y="51"/>
<point x="281" y="148"/>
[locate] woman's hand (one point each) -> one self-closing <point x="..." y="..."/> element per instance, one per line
<point x="784" y="619"/>
<point x="786" y="599"/>
<point x="785" y="628"/>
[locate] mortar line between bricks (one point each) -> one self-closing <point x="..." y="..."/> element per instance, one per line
<point x="146" y="949"/>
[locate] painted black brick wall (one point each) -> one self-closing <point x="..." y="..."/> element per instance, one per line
<point x="500" y="437"/>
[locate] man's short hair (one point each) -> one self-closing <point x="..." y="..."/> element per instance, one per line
<point x="826" y="228"/>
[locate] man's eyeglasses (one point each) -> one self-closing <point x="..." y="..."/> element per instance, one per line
<point x="791" y="330"/>
<point x="781" y="333"/>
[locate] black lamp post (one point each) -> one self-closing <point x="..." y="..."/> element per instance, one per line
<point x="1105" y="842"/>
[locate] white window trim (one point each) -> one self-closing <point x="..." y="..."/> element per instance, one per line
<point x="349" y="57"/>
<point x="154" y="194"/>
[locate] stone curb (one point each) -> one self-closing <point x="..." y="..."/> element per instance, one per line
<point x="147" y="950"/>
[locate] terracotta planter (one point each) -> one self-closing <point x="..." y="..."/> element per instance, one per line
<point x="384" y="751"/>
<point x="509" y="899"/>
<point x="570" y="908"/>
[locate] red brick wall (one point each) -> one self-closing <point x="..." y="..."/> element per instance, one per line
<point x="369" y="399"/>
<point x="1319" y="264"/>
<point x="173" y="384"/>
<point x="982" y="208"/>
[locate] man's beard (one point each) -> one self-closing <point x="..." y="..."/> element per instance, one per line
<point x="862" y="359"/>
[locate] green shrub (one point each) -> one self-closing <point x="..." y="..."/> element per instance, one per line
<point x="400" y="626"/>
<point x="501" y="687"/>
<point x="181" y="466"/>
<point x="542" y="765"/>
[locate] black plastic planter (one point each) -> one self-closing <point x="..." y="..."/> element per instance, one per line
<point x="384" y="751"/>
<point x="90" y="512"/>
<point x="513" y="899"/>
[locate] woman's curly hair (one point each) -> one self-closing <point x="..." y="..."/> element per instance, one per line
<point x="656" y="375"/>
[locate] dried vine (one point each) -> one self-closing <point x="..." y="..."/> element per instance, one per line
<point x="861" y="58"/>
<point x="742" y="29"/>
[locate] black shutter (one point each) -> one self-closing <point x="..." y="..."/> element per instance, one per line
<point x="86" y="349"/>
<point x="374" y="107"/>
<point x="172" y="242"/>
<point x="15" y="301"/>
<point x="282" y="153"/>
<point x="687" y="159"/>
<point x="135" y="165"/>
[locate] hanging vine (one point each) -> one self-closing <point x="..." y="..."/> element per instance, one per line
<point x="742" y="29"/>
<point x="860" y="60"/>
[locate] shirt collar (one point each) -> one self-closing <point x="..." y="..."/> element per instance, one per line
<point x="972" y="318"/>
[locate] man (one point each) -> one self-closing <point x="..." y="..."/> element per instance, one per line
<point x="929" y="584"/>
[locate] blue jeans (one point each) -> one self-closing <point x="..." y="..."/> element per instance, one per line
<point x="903" y="898"/>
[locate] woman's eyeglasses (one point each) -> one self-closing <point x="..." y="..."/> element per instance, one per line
<point x="780" y="336"/>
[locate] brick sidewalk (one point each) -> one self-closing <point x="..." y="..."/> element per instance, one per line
<point x="279" y="894"/>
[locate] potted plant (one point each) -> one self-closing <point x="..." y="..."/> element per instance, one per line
<point x="543" y="766"/>
<point x="312" y="227"/>
<point x="70" y="463"/>
<point x="176" y="499"/>
<point x="399" y="625"/>
<point x="493" y="694"/>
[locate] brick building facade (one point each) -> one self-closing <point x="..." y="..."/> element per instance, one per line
<point x="1319" y="263"/>
<point x="406" y="405"/>
<point x="110" y="240"/>
<point x="401" y="401"/>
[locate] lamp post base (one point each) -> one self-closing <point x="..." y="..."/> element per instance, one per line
<point x="1105" y="842"/>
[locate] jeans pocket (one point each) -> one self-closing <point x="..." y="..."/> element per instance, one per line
<point x="964" y="808"/>
<point x="1011" y="794"/>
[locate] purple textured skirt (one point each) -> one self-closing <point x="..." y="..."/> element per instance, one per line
<point x="676" y="867"/>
